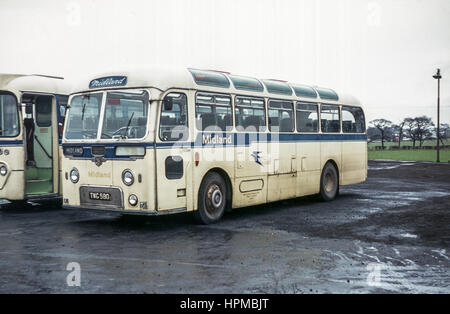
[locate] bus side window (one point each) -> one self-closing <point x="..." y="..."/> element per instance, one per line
<point x="250" y="114"/>
<point x="213" y="112"/>
<point x="330" y="121"/>
<point x="353" y="120"/>
<point x="173" y="124"/>
<point x="307" y="117"/>
<point x="281" y="116"/>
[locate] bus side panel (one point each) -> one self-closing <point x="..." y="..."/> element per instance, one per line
<point x="209" y="158"/>
<point x="308" y="167"/>
<point x="354" y="162"/>
<point x="251" y="165"/>
<point x="283" y="171"/>
<point x="12" y="185"/>
<point x="331" y="151"/>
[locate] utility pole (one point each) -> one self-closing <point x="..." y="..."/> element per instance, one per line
<point x="438" y="77"/>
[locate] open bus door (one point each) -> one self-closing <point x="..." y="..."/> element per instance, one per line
<point x="39" y="133"/>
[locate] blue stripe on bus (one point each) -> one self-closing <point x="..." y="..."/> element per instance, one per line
<point x="11" y="143"/>
<point x="226" y="139"/>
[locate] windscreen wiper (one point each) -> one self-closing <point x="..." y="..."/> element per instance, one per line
<point x="82" y="111"/>
<point x="128" y="125"/>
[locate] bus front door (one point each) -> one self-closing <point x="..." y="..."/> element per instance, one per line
<point x="173" y="155"/>
<point x="39" y="129"/>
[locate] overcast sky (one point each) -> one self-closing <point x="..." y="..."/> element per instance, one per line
<point x="383" y="52"/>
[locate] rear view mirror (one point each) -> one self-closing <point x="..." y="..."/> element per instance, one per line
<point x="168" y="104"/>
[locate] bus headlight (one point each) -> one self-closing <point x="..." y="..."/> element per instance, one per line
<point x="74" y="175"/>
<point x="3" y="170"/>
<point x="127" y="177"/>
<point x="133" y="200"/>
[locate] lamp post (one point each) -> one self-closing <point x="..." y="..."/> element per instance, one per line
<point x="438" y="77"/>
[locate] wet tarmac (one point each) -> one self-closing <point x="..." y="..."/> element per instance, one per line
<point x="390" y="234"/>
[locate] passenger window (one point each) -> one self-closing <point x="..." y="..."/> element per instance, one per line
<point x="281" y="116"/>
<point x="44" y="111"/>
<point x="329" y="119"/>
<point x="307" y="117"/>
<point x="250" y="114"/>
<point x="173" y="125"/>
<point x="353" y="120"/>
<point x="213" y="112"/>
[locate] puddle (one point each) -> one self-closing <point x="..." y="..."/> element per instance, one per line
<point x="409" y="235"/>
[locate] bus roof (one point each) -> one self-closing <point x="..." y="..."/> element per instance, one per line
<point x="166" y="77"/>
<point x="33" y="83"/>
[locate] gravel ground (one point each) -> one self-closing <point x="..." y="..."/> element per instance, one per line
<point x="390" y="234"/>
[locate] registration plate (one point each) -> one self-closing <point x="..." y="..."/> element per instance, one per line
<point x="92" y="196"/>
<point x="100" y="196"/>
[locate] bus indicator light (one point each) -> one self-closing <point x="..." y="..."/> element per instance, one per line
<point x="197" y="159"/>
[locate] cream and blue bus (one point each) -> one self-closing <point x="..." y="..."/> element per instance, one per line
<point x="161" y="140"/>
<point x="32" y="110"/>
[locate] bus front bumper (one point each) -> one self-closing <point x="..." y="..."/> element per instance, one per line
<point x="127" y="211"/>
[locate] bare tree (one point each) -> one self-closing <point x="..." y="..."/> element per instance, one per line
<point x="373" y="134"/>
<point x="384" y="127"/>
<point x="424" y="127"/>
<point x="444" y="132"/>
<point x="410" y="126"/>
<point x="399" y="128"/>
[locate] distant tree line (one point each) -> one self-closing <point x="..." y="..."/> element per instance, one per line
<point x="416" y="129"/>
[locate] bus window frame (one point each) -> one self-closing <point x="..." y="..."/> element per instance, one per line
<point x="19" y="117"/>
<point x="340" y="118"/>
<point x="264" y="108"/>
<point x="229" y="95"/>
<point x="318" y="116"/>
<point x="363" y="115"/>
<point x="160" y="112"/>
<point x="101" y="117"/>
<point x="294" y="128"/>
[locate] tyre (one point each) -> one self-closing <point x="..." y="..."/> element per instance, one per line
<point x="211" y="199"/>
<point x="329" y="182"/>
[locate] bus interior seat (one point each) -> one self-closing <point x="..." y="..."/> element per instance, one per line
<point x="227" y="122"/>
<point x="208" y="121"/>
<point x="347" y="126"/>
<point x="252" y="123"/>
<point x="308" y="126"/>
<point x="274" y="122"/>
<point x="286" y="125"/>
<point x="334" y="125"/>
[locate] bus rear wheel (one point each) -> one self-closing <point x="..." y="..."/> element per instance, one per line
<point x="211" y="199"/>
<point x="329" y="183"/>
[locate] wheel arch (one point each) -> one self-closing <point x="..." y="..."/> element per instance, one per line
<point x="229" y="186"/>
<point x="334" y="163"/>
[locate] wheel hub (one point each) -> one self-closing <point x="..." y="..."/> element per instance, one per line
<point x="214" y="199"/>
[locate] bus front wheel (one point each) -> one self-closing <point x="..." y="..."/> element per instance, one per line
<point x="329" y="182"/>
<point x="211" y="199"/>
